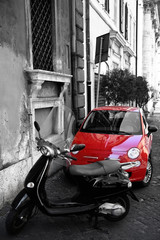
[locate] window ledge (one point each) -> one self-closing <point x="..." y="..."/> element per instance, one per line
<point x="37" y="77"/>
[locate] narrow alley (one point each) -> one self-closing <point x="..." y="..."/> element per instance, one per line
<point x="142" y="222"/>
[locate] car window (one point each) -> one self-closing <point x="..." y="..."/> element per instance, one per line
<point x="113" y="122"/>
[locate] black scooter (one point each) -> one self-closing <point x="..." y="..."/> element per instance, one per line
<point x="103" y="189"/>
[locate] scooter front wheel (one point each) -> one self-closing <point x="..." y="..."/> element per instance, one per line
<point x="123" y="200"/>
<point x="16" y="219"/>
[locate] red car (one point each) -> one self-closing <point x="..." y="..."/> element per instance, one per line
<point x="119" y="133"/>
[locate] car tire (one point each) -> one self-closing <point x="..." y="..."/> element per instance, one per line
<point x="149" y="172"/>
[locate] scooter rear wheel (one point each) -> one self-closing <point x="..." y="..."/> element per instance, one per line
<point x="16" y="220"/>
<point x="123" y="200"/>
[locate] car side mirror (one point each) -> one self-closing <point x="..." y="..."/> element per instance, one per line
<point x="152" y="129"/>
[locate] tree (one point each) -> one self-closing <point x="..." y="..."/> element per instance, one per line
<point x="117" y="86"/>
<point x="142" y="91"/>
<point x="121" y="86"/>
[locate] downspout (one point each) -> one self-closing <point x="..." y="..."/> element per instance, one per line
<point x="88" y="55"/>
<point x="85" y="56"/>
<point x="73" y="58"/>
<point x="73" y="27"/>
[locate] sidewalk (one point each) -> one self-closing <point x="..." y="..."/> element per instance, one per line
<point x="157" y="107"/>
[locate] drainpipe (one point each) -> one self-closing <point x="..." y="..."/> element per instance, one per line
<point x="85" y="56"/>
<point x="73" y="59"/>
<point x="73" y="27"/>
<point x="87" y="4"/>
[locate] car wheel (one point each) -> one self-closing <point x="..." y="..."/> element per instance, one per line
<point x="148" y="176"/>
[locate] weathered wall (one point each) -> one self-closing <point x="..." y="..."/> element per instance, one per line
<point x="62" y="41"/>
<point x="62" y="46"/>
<point x="14" y="121"/>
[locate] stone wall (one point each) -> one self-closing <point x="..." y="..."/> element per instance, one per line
<point x="78" y="61"/>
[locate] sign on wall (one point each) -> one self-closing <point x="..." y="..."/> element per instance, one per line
<point x="102" y="45"/>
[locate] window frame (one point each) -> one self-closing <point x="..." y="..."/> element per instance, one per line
<point x="106" y="6"/>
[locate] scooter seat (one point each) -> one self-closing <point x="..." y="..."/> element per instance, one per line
<point x="95" y="169"/>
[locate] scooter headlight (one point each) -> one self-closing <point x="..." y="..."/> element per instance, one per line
<point x="44" y="151"/>
<point x="133" y="153"/>
<point x="47" y="151"/>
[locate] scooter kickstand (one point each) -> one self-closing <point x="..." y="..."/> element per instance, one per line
<point x="96" y="221"/>
<point x="95" y="216"/>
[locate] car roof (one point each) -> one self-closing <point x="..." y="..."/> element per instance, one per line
<point x="118" y="108"/>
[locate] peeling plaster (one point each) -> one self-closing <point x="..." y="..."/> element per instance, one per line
<point x="21" y="149"/>
<point x="9" y="189"/>
<point x="14" y="120"/>
<point x="12" y="25"/>
<point x="23" y="144"/>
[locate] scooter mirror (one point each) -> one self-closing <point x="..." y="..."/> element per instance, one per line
<point x="37" y="126"/>
<point x="77" y="147"/>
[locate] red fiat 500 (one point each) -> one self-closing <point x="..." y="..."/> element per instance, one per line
<point x="118" y="133"/>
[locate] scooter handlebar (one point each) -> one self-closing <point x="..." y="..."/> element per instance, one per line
<point x="69" y="156"/>
<point x="52" y="150"/>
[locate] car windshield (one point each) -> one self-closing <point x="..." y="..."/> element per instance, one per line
<point x="113" y="122"/>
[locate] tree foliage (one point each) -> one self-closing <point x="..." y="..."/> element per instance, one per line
<point x="121" y="87"/>
<point x="142" y="91"/>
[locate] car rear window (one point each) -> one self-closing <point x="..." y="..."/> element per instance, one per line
<point x="113" y="122"/>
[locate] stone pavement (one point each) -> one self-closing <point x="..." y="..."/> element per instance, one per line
<point x="157" y="107"/>
<point x="142" y="222"/>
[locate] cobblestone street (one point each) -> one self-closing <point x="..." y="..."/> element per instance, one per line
<point x="142" y="222"/>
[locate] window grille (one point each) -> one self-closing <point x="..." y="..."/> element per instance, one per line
<point x="41" y="24"/>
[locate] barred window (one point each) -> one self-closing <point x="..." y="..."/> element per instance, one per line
<point x="41" y="25"/>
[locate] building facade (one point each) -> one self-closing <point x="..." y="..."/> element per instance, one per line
<point x="48" y="70"/>
<point x="151" y="26"/>
<point x="118" y="18"/>
<point x="42" y="79"/>
<point x="133" y="28"/>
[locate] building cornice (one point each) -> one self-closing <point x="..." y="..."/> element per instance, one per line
<point x="129" y="51"/>
<point x="118" y="37"/>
